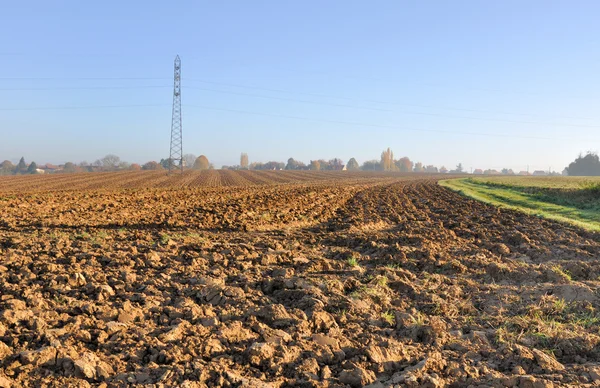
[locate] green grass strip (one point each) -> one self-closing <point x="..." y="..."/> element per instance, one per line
<point x="586" y="216"/>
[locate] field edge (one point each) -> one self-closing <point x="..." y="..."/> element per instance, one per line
<point x="522" y="202"/>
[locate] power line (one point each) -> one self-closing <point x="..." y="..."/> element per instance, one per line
<point x="86" y="88"/>
<point x="286" y="99"/>
<point x="381" y="101"/>
<point x="80" y="78"/>
<point x="304" y="101"/>
<point x="376" y="125"/>
<point x="404" y="112"/>
<point x="308" y="102"/>
<point x="83" y="107"/>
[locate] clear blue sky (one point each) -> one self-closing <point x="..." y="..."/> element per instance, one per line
<point x="490" y="84"/>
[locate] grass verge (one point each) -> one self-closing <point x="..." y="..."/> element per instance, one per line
<point x="577" y="206"/>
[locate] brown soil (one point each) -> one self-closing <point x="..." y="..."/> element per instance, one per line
<point x="291" y="279"/>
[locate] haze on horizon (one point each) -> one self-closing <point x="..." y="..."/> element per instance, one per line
<point x="487" y="84"/>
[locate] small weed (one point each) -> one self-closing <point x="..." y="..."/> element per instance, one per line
<point x="164" y="238"/>
<point x="504" y="336"/>
<point x="418" y="319"/>
<point x="382" y="281"/>
<point x="388" y="317"/>
<point x="557" y="269"/>
<point x="352" y="262"/>
<point x="560" y="305"/>
<point x="587" y="320"/>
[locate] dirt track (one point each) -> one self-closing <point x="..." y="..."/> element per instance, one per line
<point x="331" y="283"/>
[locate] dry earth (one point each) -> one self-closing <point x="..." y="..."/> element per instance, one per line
<point x="291" y="279"/>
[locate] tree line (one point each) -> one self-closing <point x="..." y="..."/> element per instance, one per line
<point x="385" y="163"/>
<point x="112" y="162"/>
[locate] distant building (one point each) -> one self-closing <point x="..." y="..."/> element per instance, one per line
<point x="524" y="173"/>
<point x="539" y="173"/>
<point x="49" y="168"/>
<point x="478" y="171"/>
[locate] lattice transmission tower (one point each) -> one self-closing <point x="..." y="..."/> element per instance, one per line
<point x="176" y="154"/>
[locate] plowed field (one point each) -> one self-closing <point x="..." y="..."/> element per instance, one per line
<point x="280" y="279"/>
<point x="160" y="179"/>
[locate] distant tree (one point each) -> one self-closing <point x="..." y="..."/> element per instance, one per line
<point x="431" y="169"/>
<point x="419" y="167"/>
<point x="85" y="166"/>
<point x="152" y="165"/>
<point x="588" y="165"/>
<point x="32" y="169"/>
<point x="7" y="168"/>
<point x="124" y="165"/>
<point x="110" y="161"/>
<point x="201" y="163"/>
<point x="135" y="167"/>
<point x="443" y="170"/>
<point x="272" y="165"/>
<point x="404" y="164"/>
<point x="336" y="164"/>
<point x="387" y="160"/>
<point x="292" y="164"/>
<point x="371" y="165"/>
<point x="490" y="171"/>
<point x="459" y="168"/>
<point x="244" y="162"/>
<point x="69" y="167"/>
<point x="21" y="167"/>
<point x="315" y="165"/>
<point x="325" y="166"/>
<point x="352" y="165"/>
<point x="188" y="160"/>
<point x="97" y="163"/>
<point x="164" y="163"/>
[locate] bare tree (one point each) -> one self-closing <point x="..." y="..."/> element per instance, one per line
<point x="244" y="161"/>
<point x="315" y="165"/>
<point x="188" y="160"/>
<point x="110" y="161"/>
